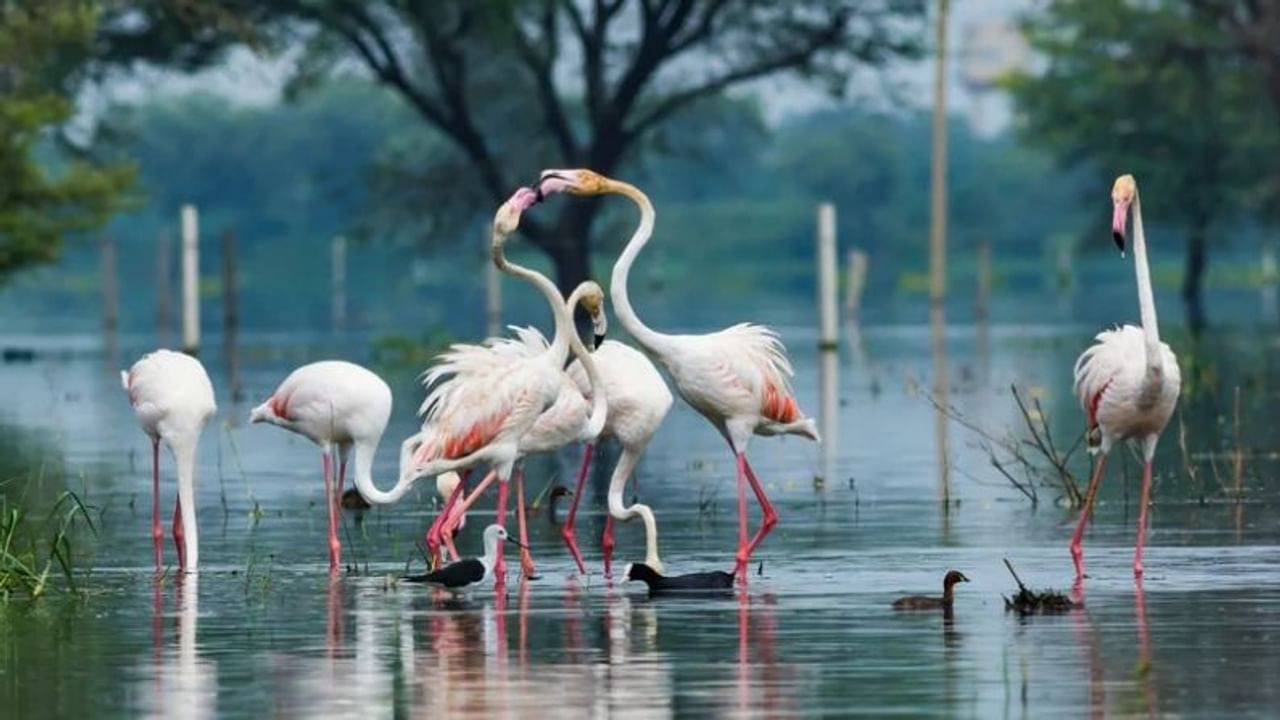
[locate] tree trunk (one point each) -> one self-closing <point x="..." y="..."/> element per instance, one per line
<point x="570" y="243"/>
<point x="1193" y="279"/>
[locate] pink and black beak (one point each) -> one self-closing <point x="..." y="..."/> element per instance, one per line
<point x="537" y="185"/>
<point x="1119" y="218"/>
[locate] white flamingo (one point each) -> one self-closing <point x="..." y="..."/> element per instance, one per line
<point x="570" y="419"/>
<point x="638" y="401"/>
<point x="1128" y="381"/>
<point x="339" y="406"/>
<point x="173" y="398"/>
<point x="737" y="378"/>
<point x="477" y="414"/>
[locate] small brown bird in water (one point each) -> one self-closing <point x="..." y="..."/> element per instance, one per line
<point x="353" y="500"/>
<point x="925" y="602"/>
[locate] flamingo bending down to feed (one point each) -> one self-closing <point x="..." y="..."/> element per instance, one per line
<point x="737" y="378"/>
<point x="173" y="398"/>
<point x="478" y="409"/>
<point x="339" y="406"/>
<point x="1128" y="381"/>
<point x="638" y="401"/>
<point x="570" y="419"/>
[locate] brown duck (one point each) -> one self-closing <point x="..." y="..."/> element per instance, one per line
<point x="925" y="602"/>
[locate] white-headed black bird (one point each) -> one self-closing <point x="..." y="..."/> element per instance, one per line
<point x="467" y="572"/>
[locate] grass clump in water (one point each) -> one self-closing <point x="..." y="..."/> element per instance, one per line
<point x="28" y="561"/>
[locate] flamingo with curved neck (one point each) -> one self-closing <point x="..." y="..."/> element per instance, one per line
<point x="737" y="378"/>
<point x="1128" y="381"/>
<point x="571" y="418"/>
<point x="480" y="407"/>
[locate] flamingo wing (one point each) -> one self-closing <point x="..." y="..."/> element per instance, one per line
<point x="637" y="395"/>
<point x="752" y="357"/>
<point x="476" y="393"/>
<point x="563" y="422"/>
<point x="1114" y="355"/>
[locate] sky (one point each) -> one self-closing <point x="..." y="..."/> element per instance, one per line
<point x="973" y="32"/>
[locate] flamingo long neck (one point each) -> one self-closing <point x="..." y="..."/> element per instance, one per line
<point x="652" y="340"/>
<point x="364" y="452"/>
<point x="599" y="403"/>
<point x="621" y="472"/>
<point x="184" y="455"/>
<point x="559" y="349"/>
<point x="1146" y="299"/>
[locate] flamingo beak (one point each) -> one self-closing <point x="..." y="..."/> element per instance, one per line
<point x="1119" y="217"/>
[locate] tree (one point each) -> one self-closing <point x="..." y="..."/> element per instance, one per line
<point x="46" y="192"/>
<point x="598" y="77"/>
<point x="1252" y="27"/>
<point x="1145" y="88"/>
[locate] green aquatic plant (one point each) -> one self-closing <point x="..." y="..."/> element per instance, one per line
<point x="30" y="549"/>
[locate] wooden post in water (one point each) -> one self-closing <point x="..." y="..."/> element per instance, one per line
<point x="110" y="286"/>
<point x="984" y="280"/>
<point x="828" y="337"/>
<point x="190" y="280"/>
<point x="164" y="287"/>
<point x="492" y="299"/>
<point x="1269" y="277"/>
<point x="938" y="170"/>
<point x="230" y="313"/>
<point x="338" y="291"/>
<point x="857" y="283"/>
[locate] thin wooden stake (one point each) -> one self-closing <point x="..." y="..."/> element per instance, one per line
<point x="190" y="280"/>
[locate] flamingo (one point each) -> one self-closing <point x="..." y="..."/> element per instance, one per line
<point x="1128" y="381"/>
<point x="638" y="401"/>
<point x="570" y="419"/>
<point x="737" y="378"/>
<point x="478" y="408"/>
<point x="173" y="398"/>
<point x="339" y="406"/>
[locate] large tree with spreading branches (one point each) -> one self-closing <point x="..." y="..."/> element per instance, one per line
<point x="517" y="85"/>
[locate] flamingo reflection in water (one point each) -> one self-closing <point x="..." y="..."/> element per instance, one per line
<point x="350" y="679"/>
<point x="179" y="681"/>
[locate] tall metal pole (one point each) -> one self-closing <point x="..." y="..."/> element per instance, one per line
<point x="938" y="174"/>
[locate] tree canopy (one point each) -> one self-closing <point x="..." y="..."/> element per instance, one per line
<point x="47" y="189"/>
<point x="518" y="85"/>
<point x="1145" y="88"/>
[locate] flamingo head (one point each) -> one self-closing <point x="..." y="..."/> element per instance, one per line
<point x="593" y="302"/>
<point x="574" y="182"/>
<point x="1122" y="195"/>
<point x="507" y="218"/>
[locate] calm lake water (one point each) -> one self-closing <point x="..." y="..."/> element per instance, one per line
<point x="264" y="631"/>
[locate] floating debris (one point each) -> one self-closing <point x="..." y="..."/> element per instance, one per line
<point x="1045" y="602"/>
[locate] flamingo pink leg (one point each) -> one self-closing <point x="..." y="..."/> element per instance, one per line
<point x="1142" y="518"/>
<point x="500" y="567"/>
<point x="157" y="533"/>
<point x="179" y="536"/>
<point x="766" y="524"/>
<point x="606" y="544"/>
<point x="566" y="531"/>
<point x="740" y="567"/>
<point x="335" y="547"/>
<point x="526" y="558"/>
<point x="433" y="533"/>
<point x="451" y="523"/>
<point x="1077" y="552"/>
